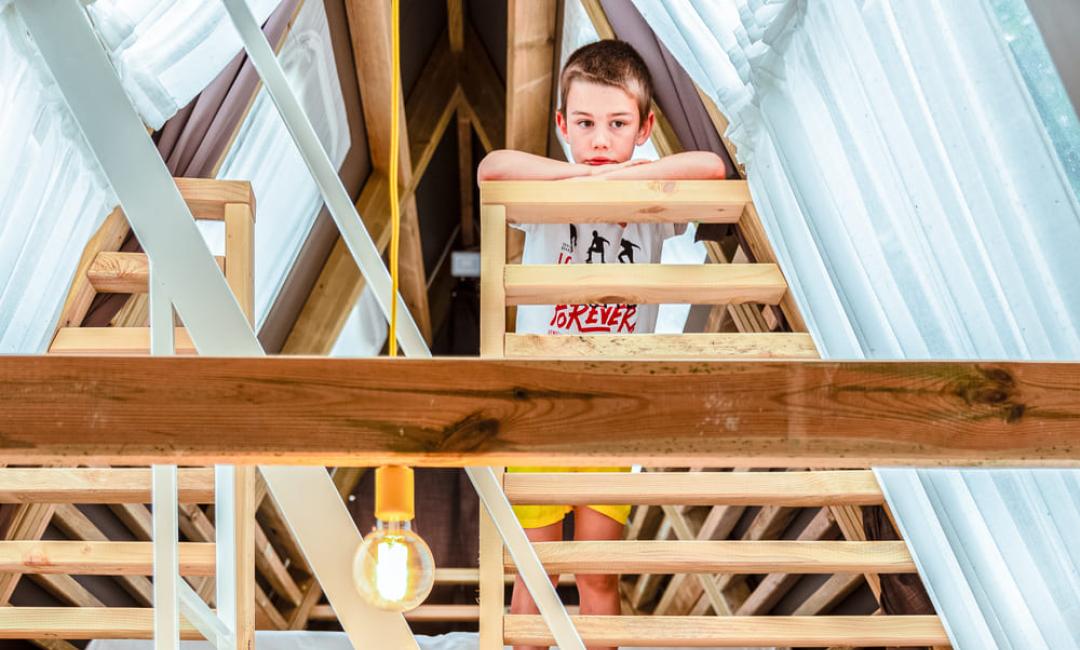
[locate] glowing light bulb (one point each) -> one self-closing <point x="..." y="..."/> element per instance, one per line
<point x="394" y="568"/>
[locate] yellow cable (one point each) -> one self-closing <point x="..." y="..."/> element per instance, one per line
<point x="395" y="208"/>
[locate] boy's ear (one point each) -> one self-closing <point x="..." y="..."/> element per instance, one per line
<point x="646" y="129"/>
<point x="560" y="122"/>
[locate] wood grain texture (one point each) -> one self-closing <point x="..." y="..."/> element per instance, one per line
<point x="614" y="284"/>
<point x="729" y="345"/>
<point x="754" y="232"/>
<point x="83" y="623"/>
<point x="98" y="558"/>
<point x="86" y="485"/>
<point x="618" y="201"/>
<point x="722" y="557"/>
<point x="202" y="410"/>
<point x="530" y="51"/>
<point x="207" y="197"/>
<point x="114" y="272"/>
<point x="114" y="340"/>
<point x="108" y="237"/>
<point x="738" y="631"/>
<point x="696" y="488"/>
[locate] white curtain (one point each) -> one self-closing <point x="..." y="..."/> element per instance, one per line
<point x="167" y="51"/>
<point x="287" y="199"/>
<point x="53" y="195"/>
<point x="915" y="200"/>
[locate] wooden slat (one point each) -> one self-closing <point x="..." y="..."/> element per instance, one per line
<point x="619" y="201"/>
<point x="83" y="623"/>
<point x="722" y="557"/>
<point x="114" y="272"/>
<point x="84" y="485"/>
<point x="542" y="284"/>
<point x="682" y="591"/>
<point x="113" y="341"/>
<point x="108" y="237"/>
<point x="240" y="253"/>
<point x="779" y="345"/>
<point x="492" y="590"/>
<point x="484" y="91"/>
<point x="828" y="595"/>
<point x="207" y="197"/>
<point x="243" y="621"/>
<point x="430" y="107"/>
<point x="98" y="558"/>
<point x="67" y="589"/>
<point x="754" y="232"/>
<point x="696" y="488"/>
<point x="274" y="570"/>
<point x="738" y="631"/>
<point x="76" y="525"/>
<point x="375" y="411"/>
<point x="492" y="288"/>
<point x="28" y="523"/>
<point x="422" y="614"/>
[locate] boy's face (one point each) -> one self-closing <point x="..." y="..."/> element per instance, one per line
<point x="602" y="123"/>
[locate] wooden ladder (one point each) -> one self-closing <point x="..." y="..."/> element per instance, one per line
<point x="103" y="269"/>
<point x="840" y="494"/>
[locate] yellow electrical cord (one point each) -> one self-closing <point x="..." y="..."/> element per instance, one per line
<point x="395" y="209"/>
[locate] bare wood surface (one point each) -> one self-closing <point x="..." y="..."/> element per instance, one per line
<point x="738" y="631"/>
<point x="779" y="345"/>
<point x="619" y="201"/>
<point x="754" y="232"/>
<point x="485" y="93"/>
<point x="85" y="485"/>
<point x="374" y="411"/>
<point x="98" y="558"/>
<point x="73" y="523"/>
<point x="722" y="557"/>
<point x="858" y="487"/>
<point x="240" y="256"/>
<point x="83" y="623"/>
<point x="207" y="197"/>
<point x="492" y="288"/>
<point x="492" y="592"/>
<point x="530" y="50"/>
<point x="611" y="284"/>
<point x="115" y="272"/>
<point x="108" y="237"/>
<point x="87" y="341"/>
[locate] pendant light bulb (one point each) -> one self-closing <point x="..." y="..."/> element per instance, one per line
<point x="394" y="568"/>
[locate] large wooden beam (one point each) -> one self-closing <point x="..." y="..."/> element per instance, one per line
<point x="454" y="412"/>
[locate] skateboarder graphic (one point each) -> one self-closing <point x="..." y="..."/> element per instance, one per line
<point x="597" y="246"/>
<point x="573" y="237"/>
<point x="626" y="255"/>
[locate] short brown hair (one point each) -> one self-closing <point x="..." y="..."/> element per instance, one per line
<point x="611" y="63"/>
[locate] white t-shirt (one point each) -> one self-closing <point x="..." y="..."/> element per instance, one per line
<point x="591" y="243"/>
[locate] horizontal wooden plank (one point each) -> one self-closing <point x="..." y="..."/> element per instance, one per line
<point x="452" y="412"/>
<point x="74" y="623"/>
<point x="698" y="284"/>
<point x="792" y="489"/>
<point x="725" y="556"/>
<point x="422" y="614"/>
<point x="113" y="341"/>
<point x="99" y="558"/>
<point x="206" y="197"/>
<point x="91" y="485"/>
<point x="732" y="345"/>
<point x="737" y="631"/>
<point x="602" y="201"/>
<point x="113" y="272"/>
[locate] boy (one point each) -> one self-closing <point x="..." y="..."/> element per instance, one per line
<point x="605" y="94"/>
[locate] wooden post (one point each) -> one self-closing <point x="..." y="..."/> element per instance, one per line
<point x="240" y="255"/>
<point x="492" y="582"/>
<point x="492" y="287"/>
<point x="244" y="528"/>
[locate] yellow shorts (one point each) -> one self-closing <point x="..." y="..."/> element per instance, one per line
<point x="540" y="516"/>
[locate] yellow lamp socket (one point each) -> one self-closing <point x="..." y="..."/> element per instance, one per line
<point x="394" y="493"/>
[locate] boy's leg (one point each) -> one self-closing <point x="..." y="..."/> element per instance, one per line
<point x="599" y="593"/>
<point x="521" y="602"/>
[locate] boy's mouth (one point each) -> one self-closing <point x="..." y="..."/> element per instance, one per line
<point x="599" y="161"/>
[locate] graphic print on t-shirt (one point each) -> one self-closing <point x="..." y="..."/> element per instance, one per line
<point x="597" y="246"/>
<point x="601" y="243"/>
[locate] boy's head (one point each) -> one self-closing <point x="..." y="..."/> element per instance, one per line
<point x="605" y="93"/>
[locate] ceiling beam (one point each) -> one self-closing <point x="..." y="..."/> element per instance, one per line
<point x="369" y="27"/>
<point x="139" y="410"/>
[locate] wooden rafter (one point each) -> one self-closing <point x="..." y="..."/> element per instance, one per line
<point x="369" y="27"/>
<point x="339" y="284"/>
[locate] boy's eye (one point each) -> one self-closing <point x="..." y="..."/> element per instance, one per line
<point x="618" y="124"/>
<point x="584" y="123"/>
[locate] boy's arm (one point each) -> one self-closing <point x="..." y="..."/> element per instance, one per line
<point x="507" y="164"/>
<point x="691" y="165"/>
